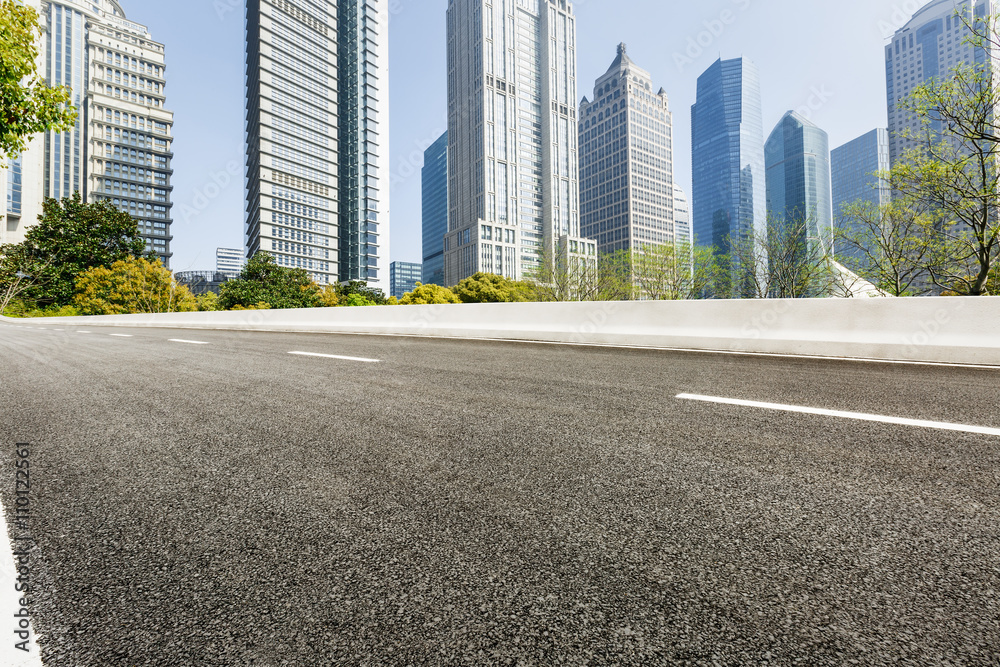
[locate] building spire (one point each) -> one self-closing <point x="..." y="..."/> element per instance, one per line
<point x="622" y="49"/>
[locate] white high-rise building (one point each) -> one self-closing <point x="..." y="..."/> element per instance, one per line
<point x="682" y="217"/>
<point x="229" y="261"/>
<point x="627" y="160"/>
<point x="513" y="183"/>
<point x="317" y="136"/>
<point x="929" y="45"/>
<point x="121" y="147"/>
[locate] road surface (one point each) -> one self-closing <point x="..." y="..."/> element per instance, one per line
<point x="209" y="498"/>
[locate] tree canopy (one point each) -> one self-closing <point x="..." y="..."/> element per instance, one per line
<point x="429" y="294"/>
<point x="262" y="281"/>
<point x="489" y="288"/>
<point x="134" y="285"/>
<point x="27" y="105"/>
<point x="70" y="238"/>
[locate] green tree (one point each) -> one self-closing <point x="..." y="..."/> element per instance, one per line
<point x="135" y="285"/>
<point x="488" y="288"/>
<point x="209" y="301"/>
<point x="356" y="300"/>
<point x="672" y="271"/>
<point x="788" y="259"/>
<point x="429" y="294"/>
<point x="953" y="167"/>
<point x="889" y="244"/>
<point x="262" y="281"/>
<point x="562" y="276"/>
<point x="358" y="288"/>
<point x="70" y="238"/>
<point x="27" y="105"/>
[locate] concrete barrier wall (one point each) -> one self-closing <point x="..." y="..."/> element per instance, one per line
<point x="949" y="330"/>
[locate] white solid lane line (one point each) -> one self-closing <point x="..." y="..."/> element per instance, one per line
<point x="121" y="335"/>
<point x="188" y="342"/>
<point x="859" y="416"/>
<point x="336" y="356"/>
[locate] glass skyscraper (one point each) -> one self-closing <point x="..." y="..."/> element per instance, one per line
<point x="317" y="137"/>
<point x="728" y="197"/>
<point x="403" y="278"/>
<point x="854" y="169"/>
<point x="434" y="184"/>
<point x="121" y="148"/>
<point x="797" y="159"/>
<point x="513" y="173"/>
<point x="929" y="45"/>
<point x="626" y="160"/>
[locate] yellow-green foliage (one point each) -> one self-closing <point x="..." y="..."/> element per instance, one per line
<point x="208" y="301"/>
<point x="131" y="286"/>
<point x="329" y="297"/>
<point x="429" y="294"/>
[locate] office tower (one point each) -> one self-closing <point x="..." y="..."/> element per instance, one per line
<point x="229" y="261"/>
<point x="434" y="177"/>
<point x="797" y="160"/>
<point x="929" y="45"/>
<point x="512" y="138"/>
<point x="854" y="169"/>
<point x="403" y="278"/>
<point x="626" y="160"/>
<point x="120" y="149"/>
<point x="202" y="282"/>
<point x="317" y="136"/>
<point x="682" y="217"/>
<point x="728" y="198"/>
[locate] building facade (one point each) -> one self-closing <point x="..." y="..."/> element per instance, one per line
<point x="854" y="170"/>
<point x="728" y="197"/>
<point x="317" y="137"/>
<point x="202" y="282"/>
<point x="403" y="278"/>
<point x="682" y="218"/>
<point x="229" y="261"/>
<point x="513" y="172"/>
<point x="120" y="149"/>
<point x="626" y="160"/>
<point x="929" y="45"/>
<point x="434" y="204"/>
<point x="797" y="160"/>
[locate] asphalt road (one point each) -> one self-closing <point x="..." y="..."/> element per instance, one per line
<point x="475" y="503"/>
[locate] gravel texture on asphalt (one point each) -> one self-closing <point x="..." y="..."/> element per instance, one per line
<point x="474" y="503"/>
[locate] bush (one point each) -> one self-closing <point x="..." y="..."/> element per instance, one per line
<point x="429" y="294"/>
<point x="131" y="286"/>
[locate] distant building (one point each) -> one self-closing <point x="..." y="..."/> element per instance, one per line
<point x="929" y="45"/>
<point x="797" y="159"/>
<point x="682" y="217"/>
<point x="201" y="282"/>
<point x="120" y="149"/>
<point x="513" y="172"/>
<point x="229" y="261"/>
<point x="626" y="160"/>
<point x="728" y="198"/>
<point x="317" y="137"/>
<point x="854" y="168"/>
<point x="403" y="277"/>
<point x="435" y="210"/>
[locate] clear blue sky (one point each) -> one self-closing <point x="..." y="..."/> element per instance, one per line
<point x="827" y="55"/>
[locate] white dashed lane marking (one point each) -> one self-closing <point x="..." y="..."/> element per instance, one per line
<point x="336" y="356"/>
